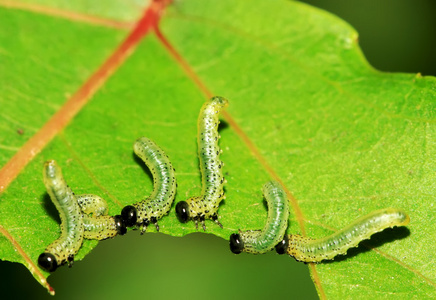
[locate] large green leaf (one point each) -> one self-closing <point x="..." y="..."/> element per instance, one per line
<point x="305" y="108"/>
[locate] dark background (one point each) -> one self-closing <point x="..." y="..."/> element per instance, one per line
<point x="395" y="36"/>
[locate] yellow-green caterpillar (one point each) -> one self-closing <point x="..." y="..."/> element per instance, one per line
<point x="261" y="241"/>
<point x="159" y="202"/>
<point x="311" y="250"/>
<point x="206" y="205"/>
<point x="97" y="225"/>
<point x="76" y="223"/>
<point x="103" y="227"/>
<point x="64" y="248"/>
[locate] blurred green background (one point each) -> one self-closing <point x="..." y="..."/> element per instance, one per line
<point x="395" y="36"/>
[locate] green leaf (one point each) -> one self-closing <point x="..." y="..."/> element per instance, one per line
<point x="112" y="11"/>
<point x="305" y="108"/>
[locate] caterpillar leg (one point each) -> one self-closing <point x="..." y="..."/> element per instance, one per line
<point x="154" y="221"/>
<point x="203" y="223"/>
<point x="215" y="219"/>
<point x="196" y="225"/>
<point x="143" y="229"/>
<point x="70" y="260"/>
<point x="145" y="224"/>
<point x="201" y="218"/>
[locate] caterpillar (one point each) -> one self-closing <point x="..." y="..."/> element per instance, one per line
<point x="159" y="202"/>
<point x="311" y="250"/>
<point x="103" y="227"/>
<point x="99" y="226"/>
<point x="262" y="241"/>
<point x="205" y="206"/>
<point x="64" y="248"/>
<point x="76" y="223"/>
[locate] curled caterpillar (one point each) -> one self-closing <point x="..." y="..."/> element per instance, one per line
<point x="261" y="241"/>
<point x="159" y="202"/>
<point x="76" y="221"/>
<point x="311" y="250"/>
<point x="97" y="225"/>
<point x="64" y="248"/>
<point x="206" y="205"/>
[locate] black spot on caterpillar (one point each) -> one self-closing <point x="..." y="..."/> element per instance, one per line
<point x="76" y="223"/>
<point x="311" y="250"/>
<point x="206" y="205"/>
<point x="261" y="241"/>
<point x="159" y="202"/>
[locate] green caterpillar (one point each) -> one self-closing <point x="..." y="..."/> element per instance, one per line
<point x="159" y="202"/>
<point x="311" y="250"/>
<point x="206" y="205"/>
<point x="64" y="248"/>
<point x="262" y="241"/>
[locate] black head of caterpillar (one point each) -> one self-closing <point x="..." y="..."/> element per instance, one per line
<point x="236" y="243"/>
<point x="48" y="262"/>
<point x="206" y="205"/>
<point x="129" y="215"/>
<point x="182" y="211"/>
<point x="282" y="247"/>
<point x="119" y="225"/>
